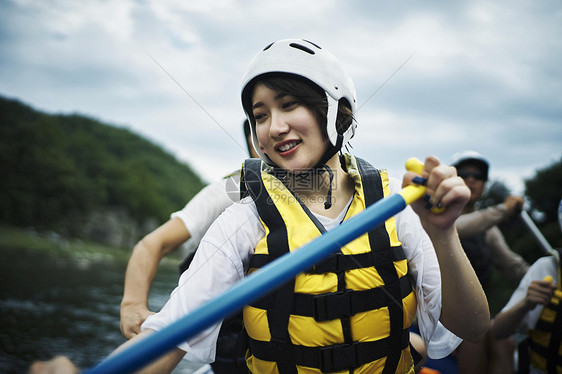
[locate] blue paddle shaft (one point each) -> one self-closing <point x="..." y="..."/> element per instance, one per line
<point x="253" y="287"/>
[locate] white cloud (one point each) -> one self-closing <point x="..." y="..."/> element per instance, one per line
<point x="484" y="75"/>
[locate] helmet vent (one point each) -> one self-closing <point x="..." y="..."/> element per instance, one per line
<point x="268" y="46"/>
<point x="314" y="44"/>
<point x="302" y="48"/>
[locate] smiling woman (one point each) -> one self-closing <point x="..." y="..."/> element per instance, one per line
<point x="353" y="311"/>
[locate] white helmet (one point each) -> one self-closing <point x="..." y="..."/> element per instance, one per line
<point x="472" y="157"/>
<point x="305" y="59"/>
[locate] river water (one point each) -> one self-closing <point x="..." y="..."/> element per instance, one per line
<point x="51" y="306"/>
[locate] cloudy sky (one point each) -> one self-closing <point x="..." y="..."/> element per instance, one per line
<point x="432" y="77"/>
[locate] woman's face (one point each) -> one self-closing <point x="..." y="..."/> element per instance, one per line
<point x="287" y="131"/>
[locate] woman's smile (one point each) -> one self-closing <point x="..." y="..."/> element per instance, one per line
<point x="287" y="148"/>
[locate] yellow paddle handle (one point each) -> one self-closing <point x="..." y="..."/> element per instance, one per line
<point x="557" y="293"/>
<point x="413" y="192"/>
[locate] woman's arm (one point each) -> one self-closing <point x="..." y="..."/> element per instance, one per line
<point x="465" y="309"/>
<point x="464" y="306"/>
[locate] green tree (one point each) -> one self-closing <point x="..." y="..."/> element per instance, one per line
<point x="57" y="169"/>
<point x="544" y="190"/>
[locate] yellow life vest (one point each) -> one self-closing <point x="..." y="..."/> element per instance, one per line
<point x="546" y="338"/>
<point x="350" y="313"/>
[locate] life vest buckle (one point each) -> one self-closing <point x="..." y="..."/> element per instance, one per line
<point x="332" y="305"/>
<point x="338" y="357"/>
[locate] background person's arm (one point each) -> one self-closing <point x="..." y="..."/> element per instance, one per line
<point x="62" y="365"/>
<point x="190" y="223"/>
<point x="141" y="270"/>
<point x="507" y="321"/>
<point x="473" y="223"/>
<point x="511" y="265"/>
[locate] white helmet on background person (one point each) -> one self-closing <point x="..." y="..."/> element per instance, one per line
<point x="308" y="60"/>
<point x="470" y="157"/>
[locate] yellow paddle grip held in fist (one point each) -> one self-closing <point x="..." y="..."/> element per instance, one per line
<point x="416" y="166"/>
<point x="557" y="293"/>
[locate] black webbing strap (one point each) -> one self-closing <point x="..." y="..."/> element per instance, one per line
<point x="378" y="239"/>
<point x="544" y="352"/>
<point x="550" y="353"/>
<point x="553" y="358"/>
<point x="250" y="178"/>
<point x="543" y="325"/>
<point x="278" y="244"/>
<point x="416" y="356"/>
<point x="331" y="358"/>
<point x="340" y="262"/>
<point x="328" y="306"/>
<point x="523" y="361"/>
<point x="345" y="320"/>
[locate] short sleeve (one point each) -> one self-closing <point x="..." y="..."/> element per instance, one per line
<point x="204" y="208"/>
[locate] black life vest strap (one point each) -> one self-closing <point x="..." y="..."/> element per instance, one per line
<point x="416" y="356"/>
<point x="544" y="352"/>
<point x="339" y="262"/>
<point x="378" y="238"/>
<point x="330" y="358"/>
<point x="279" y="309"/>
<point x="553" y="358"/>
<point x="250" y="178"/>
<point x="551" y="353"/>
<point x="343" y="262"/>
<point x="523" y="361"/>
<point x="329" y="306"/>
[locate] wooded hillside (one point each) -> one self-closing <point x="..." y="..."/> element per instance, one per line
<point x="79" y="177"/>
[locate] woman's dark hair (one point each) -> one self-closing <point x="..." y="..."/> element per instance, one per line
<point x="309" y="94"/>
<point x="247" y="136"/>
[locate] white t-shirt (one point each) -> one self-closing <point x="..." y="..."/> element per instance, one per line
<point x="224" y="254"/>
<point x="541" y="268"/>
<point x="202" y="210"/>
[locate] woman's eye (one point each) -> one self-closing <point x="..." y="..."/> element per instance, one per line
<point x="259" y="116"/>
<point x="289" y="104"/>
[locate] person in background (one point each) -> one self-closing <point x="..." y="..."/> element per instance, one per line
<point x="536" y="304"/>
<point x="486" y="248"/>
<point x="186" y="226"/>
<point x="300" y="104"/>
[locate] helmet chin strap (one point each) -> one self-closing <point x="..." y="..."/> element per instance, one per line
<point x="320" y="168"/>
<point x="328" y="202"/>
